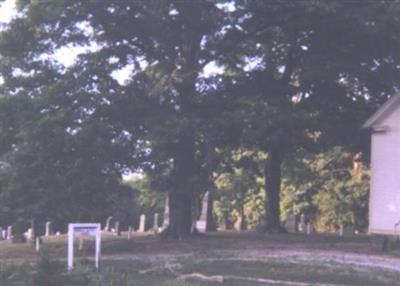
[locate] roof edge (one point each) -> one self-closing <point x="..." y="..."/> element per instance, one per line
<point x="383" y="111"/>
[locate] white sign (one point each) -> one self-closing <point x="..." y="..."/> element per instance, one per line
<point x="83" y="229"/>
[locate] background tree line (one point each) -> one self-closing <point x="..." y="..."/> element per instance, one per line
<point x="252" y="100"/>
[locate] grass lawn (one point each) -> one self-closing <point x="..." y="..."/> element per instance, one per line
<point x="238" y="259"/>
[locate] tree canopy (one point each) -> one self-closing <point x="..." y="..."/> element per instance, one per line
<point x="173" y="89"/>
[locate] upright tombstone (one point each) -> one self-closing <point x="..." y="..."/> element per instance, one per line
<point x="29" y="235"/>
<point x="117" y="231"/>
<point x="4" y="234"/>
<point x="142" y="223"/>
<point x="48" y="229"/>
<point x="107" y="227"/>
<point x="37" y="244"/>
<point x="166" y="213"/>
<point x="291" y="225"/>
<point x="302" y="224"/>
<point x="9" y="232"/>
<point x="201" y="224"/>
<point x="155" y="223"/>
<point x="1" y="234"/>
<point x="32" y="235"/>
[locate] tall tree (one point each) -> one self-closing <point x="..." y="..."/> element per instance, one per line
<point x="305" y="74"/>
<point x="161" y="48"/>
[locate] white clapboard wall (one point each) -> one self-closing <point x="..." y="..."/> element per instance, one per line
<point x="384" y="205"/>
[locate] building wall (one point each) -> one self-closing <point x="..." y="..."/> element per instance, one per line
<point x="385" y="181"/>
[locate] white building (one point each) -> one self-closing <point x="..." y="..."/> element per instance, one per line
<point x="384" y="203"/>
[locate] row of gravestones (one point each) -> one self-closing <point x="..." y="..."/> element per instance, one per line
<point x="7" y="234"/>
<point x="293" y="225"/>
<point x="142" y="225"/>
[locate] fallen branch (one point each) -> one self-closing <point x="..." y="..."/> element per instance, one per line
<point x="173" y="267"/>
<point x="201" y="277"/>
<point x="222" y="278"/>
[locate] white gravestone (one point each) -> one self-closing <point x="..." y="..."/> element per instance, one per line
<point x="201" y="224"/>
<point x="142" y="224"/>
<point x="48" y="229"/>
<point x="108" y="224"/>
<point x="37" y="244"/>
<point x="9" y="232"/>
<point x="155" y="223"/>
<point x="302" y="224"/>
<point x="117" y="231"/>
<point x="83" y="229"/>
<point x="166" y="213"/>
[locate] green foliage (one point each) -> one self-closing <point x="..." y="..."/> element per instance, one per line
<point x="297" y="75"/>
<point x="330" y="188"/>
<point x="145" y="200"/>
<point x="240" y="192"/>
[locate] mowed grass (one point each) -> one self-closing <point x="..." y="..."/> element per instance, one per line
<point x="124" y="260"/>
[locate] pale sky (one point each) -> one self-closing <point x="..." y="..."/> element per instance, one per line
<point x="7" y="11"/>
<point x="67" y="55"/>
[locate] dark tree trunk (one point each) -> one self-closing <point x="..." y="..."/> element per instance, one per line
<point x="211" y="225"/>
<point x="273" y="189"/>
<point x="180" y="223"/>
<point x="181" y="198"/>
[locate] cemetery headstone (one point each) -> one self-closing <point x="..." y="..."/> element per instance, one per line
<point x="155" y="223"/>
<point x="108" y="224"/>
<point x="29" y="235"/>
<point x="48" y="229"/>
<point x="166" y="213"/>
<point x="201" y="224"/>
<point x="291" y="225"/>
<point x="142" y="223"/>
<point x="4" y="234"/>
<point x="32" y="233"/>
<point x="9" y="232"/>
<point x="37" y="244"/>
<point x="1" y="234"/>
<point x="116" y="228"/>
<point x="302" y="224"/>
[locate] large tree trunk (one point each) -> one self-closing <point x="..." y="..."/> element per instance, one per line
<point x="180" y="224"/>
<point x="211" y="225"/>
<point x="273" y="189"/>
<point x="181" y="198"/>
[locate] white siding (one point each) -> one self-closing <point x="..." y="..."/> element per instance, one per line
<point x="385" y="181"/>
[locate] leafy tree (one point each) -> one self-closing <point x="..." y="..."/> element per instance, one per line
<point x="306" y="74"/>
<point x="165" y="46"/>
<point x="330" y="188"/>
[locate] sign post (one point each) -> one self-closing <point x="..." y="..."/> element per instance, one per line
<point x="83" y="229"/>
